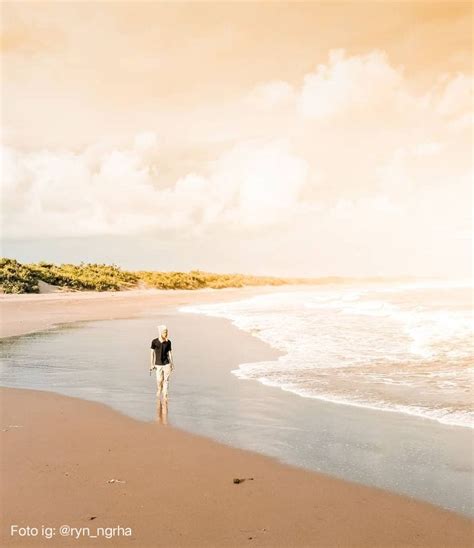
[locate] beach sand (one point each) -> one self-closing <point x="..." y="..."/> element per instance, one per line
<point x="26" y="313"/>
<point x="59" y="454"/>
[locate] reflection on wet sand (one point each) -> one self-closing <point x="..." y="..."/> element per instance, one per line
<point x="162" y="412"/>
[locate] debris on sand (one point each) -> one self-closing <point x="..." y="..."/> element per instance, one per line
<point x="240" y="480"/>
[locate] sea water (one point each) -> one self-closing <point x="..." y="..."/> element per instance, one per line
<point x="405" y="347"/>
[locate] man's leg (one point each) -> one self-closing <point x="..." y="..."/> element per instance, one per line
<point x="166" y="375"/>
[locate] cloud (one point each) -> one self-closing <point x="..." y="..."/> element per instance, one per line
<point x="370" y="84"/>
<point x="271" y="94"/>
<point x="427" y="149"/>
<point x="349" y="82"/>
<point x="266" y="182"/>
<point x="456" y="95"/>
<point x="350" y="165"/>
<point x="146" y="140"/>
<point x="115" y="192"/>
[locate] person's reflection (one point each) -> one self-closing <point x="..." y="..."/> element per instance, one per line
<point x="162" y="412"/>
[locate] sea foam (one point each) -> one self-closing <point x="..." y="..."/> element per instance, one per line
<point x="400" y="347"/>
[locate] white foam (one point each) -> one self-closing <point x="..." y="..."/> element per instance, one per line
<point x="338" y="335"/>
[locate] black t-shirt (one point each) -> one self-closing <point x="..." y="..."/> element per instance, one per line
<point x="161" y="351"/>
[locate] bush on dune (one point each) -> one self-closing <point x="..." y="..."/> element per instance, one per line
<point x="23" y="278"/>
<point x="94" y="277"/>
<point x="197" y="280"/>
<point x="17" y="278"/>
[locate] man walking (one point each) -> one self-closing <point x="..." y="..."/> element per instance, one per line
<point x="162" y="361"/>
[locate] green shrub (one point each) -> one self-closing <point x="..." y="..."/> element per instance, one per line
<point x="17" y="278"/>
<point x="23" y="278"/>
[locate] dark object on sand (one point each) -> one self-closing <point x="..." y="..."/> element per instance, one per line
<point x="240" y="480"/>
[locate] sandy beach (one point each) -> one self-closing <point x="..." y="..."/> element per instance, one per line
<point x="27" y="313"/>
<point x="173" y="488"/>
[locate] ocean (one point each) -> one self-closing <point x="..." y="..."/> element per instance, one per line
<point x="404" y="348"/>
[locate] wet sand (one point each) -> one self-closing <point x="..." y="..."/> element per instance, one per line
<point x="59" y="453"/>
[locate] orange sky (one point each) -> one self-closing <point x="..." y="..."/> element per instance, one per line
<point x="290" y="138"/>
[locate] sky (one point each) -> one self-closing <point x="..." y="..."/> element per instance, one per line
<point x="291" y="139"/>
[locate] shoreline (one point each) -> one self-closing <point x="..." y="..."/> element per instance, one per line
<point x="368" y="407"/>
<point x="174" y="299"/>
<point x="408" y="530"/>
<point x="407" y="411"/>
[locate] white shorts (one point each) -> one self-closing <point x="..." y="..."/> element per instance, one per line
<point x="163" y="373"/>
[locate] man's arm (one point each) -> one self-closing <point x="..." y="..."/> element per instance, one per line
<point x="152" y="355"/>
<point x="152" y="359"/>
<point x="170" y="355"/>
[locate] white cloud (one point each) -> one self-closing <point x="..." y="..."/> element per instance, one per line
<point x="363" y="81"/>
<point x="456" y="97"/>
<point x="369" y="84"/>
<point x="64" y="194"/>
<point x="352" y="161"/>
<point x="267" y="181"/>
<point x="271" y="94"/>
<point x="146" y="140"/>
<point x="427" y="149"/>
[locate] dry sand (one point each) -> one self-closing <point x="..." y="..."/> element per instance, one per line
<point x="59" y="453"/>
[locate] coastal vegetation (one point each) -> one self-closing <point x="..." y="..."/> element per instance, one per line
<point x="24" y="278"/>
<point x="16" y="277"/>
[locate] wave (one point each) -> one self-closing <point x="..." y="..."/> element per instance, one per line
<point x="408" y="352"/>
